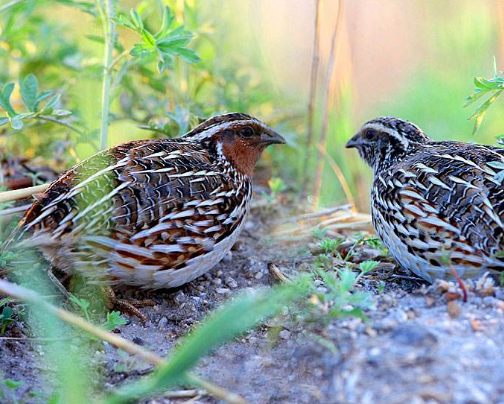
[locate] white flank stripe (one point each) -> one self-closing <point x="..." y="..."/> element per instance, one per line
<point x="102" y="200"/>
<point x="186" y="174"/>
<point x="158" y="228"/>
<point x="426" y="169"/>
<point x="412" y="194"/>
<point x="184" y="213"/>
<point x="167" y="249"/>
<point x="213" y="229"/>
<point x="99" y="173"/>
<point x="42" y="216"/>
<point x="210" y="202"/>
<point x="144" y="252"/>
<point x="461" y="181"/>
<point x="438" y="182"/>
<point x="415" y="209"/>
<point x="492" y="214"/>
<point x="438" y="222"/>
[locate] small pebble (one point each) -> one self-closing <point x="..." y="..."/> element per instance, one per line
<point x="223" y="291"/>
<point x="163" y="322"/>
<point x="284" y="334"/>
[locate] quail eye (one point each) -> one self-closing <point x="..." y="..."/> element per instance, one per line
<point x="247" y="132"/>
<point x="371" y="134"/>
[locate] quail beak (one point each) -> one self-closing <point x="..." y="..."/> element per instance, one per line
<point x="356" y="141"/>
<point x="271" y="137"/>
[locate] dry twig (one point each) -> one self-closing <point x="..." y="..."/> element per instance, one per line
<point x="8" y="196"/>
<point x="325" y="116"/>
<point x="312" y="97"/>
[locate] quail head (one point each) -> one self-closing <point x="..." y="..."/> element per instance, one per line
<point x="437" y="206"/>
<point x="151" y="213"/>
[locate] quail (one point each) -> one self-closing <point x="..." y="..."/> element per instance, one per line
<point x="437" y="206"/>
<point x="151" y="213"/>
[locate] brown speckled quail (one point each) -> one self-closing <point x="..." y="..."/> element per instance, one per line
<point x="435" y="205"/>
<point x="151" y="213"/>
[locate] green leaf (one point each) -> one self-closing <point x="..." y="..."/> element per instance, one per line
<point x="347" y="280"/>
<point x="484" y="84"/>
<point x="61" y="112"/>
<point x="168" y="20"/>
<point x="137" y="20"/>
<point x="480" y="112"/>
<point x="123" y="21"/>
<point x="189" y="55"/>
<point x="368" y="266"/>
<point x="42" y="96"/>
<point x="5" y="95"/>
<point x="141" y="51"/>
<point x="114" y="320"/>
<point x="48" y="108"/>
<point x="12" y="384"/>
<point x="29" y="89"/>
<point x="148" y="38"/>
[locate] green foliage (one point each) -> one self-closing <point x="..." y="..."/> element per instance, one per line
<point x="330" y="245"/>
<point x="490" y="88"/>
<point x="339" y="297"/>
<point x="6" y="314"/>
<point x="31" y="99"/>
<point x="368" y="266"/>
<point x="82" y="304"/>
<point x="277" y="186"/>
<point x="114" y="320"/>
<point x="167" y="43"/>
<point x="8" y="388"/>
<point x="319" y="233"/>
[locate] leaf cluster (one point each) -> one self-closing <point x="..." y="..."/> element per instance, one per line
<point x="32" y="98"/>
<point x="166" y="44"/>
<point x="491" y="88"/>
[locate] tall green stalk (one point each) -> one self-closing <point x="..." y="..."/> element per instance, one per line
<point x="109" y="33"/>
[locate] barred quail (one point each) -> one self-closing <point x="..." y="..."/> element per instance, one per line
<point x="437" y="206"/>
<point x="152" y="213"/>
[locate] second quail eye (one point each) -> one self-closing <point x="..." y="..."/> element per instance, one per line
<point x="247" y="132"/>
<point x="370" y="134"/>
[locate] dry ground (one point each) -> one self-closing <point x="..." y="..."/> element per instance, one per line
<point x="413" y="348"/>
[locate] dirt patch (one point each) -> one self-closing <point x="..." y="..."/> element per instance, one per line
<point x="414" y="347"/>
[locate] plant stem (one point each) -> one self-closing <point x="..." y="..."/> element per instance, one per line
<point x="8" y="196"/>
<point x="312" y="98"/>
<point x="325" y="117"/>
<point x="109" y="33"/>
<point x="10" y="4"/>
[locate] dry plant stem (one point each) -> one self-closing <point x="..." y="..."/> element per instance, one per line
<point x="327" y="103"/>
<point x="460" y="283"/>
<point x="10" y="4"/>
<point x="312" y="97"/>
<point x="21" y="293"/>
<point x="106" y="13"/>
<point x="8" y="196"/>
<point x="12" y="211"/>
<point x="341" y="177"/>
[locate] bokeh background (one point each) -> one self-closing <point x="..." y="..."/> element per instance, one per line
<point x="412" y="59"/>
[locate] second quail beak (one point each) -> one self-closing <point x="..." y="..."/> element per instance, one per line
<point x="271" y="137"/>
<point x="355" y="141"/>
